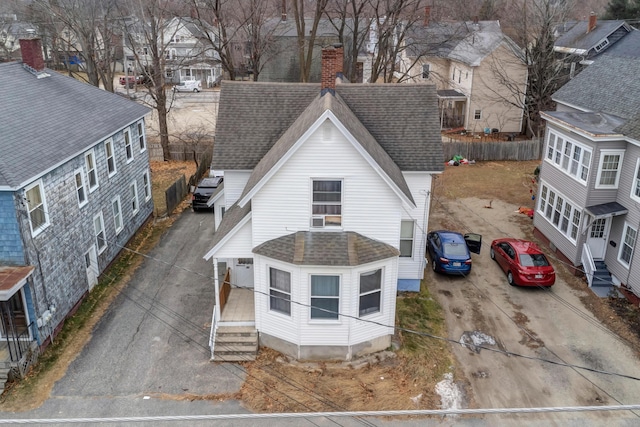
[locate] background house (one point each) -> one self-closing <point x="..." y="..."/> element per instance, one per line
<point x="75" y="186"/>
<point x="324" y="211"/>
<point x="578" y="43"/>
<point x="589" y="198"/>
<point x="480" y="73"/>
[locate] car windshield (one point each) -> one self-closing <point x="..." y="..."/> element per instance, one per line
<point x="533" y="260"/>
<point x="455" y="249"/>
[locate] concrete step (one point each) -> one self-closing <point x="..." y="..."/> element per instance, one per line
<point x="234" y="357"/>
<point x="236" y="339"/>
<point x="240" y="331"/>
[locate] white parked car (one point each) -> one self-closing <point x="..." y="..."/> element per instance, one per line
<point x="188" y="86"/>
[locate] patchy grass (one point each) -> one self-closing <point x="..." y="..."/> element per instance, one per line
<point x="163" y="174"/>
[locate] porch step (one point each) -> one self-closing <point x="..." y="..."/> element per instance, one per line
<point x="236" y="344"/>
<point x="4" y="377"/>
<point x="601" y="275"/>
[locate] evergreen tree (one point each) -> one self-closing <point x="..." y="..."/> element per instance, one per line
<point x="623" y="9"/>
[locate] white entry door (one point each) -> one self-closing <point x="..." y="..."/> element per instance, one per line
<point x="243" y="272"/>
<point x="598" y="236"/>
<point x="91" y="264"/>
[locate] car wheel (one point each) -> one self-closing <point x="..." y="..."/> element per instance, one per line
<point x="510" y="279"/>
<point x="195" y="91"/>
<point x="492" y="254"/>
<point x="434" y="267"/>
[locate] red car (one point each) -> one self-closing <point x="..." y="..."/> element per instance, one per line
<point x="523" y="262"/>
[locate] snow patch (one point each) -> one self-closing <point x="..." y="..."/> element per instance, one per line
<point x="450" y="394"/>
<point x="474" y="339"/>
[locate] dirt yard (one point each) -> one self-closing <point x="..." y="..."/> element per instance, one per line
<point x="561" y="326"/>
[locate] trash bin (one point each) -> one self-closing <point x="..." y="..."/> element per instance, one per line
<point x="474" y="242"/>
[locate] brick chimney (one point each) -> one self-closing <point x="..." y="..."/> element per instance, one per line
<point x="593" y="19"/>
<point x="331" y="57"/>
<point x="32" y="53"/>
<point x="427" y="15"/>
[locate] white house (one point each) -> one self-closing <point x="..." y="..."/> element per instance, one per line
<point x="324" y="212"/>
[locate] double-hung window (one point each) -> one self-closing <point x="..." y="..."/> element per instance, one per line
<point x="560" y="212"/>
<point x="133" y="197"/>
<point x="280" y="291"/>
<point x="609" y="169"/>
<point x="80" y="188"/>
<point x="92" y="172"/>
<point x="98" y="228"/>
<point x="426" y="69"/>
<point x="127" y="145"/>
<point x="327" y="203"/>
<point x="37" y="205"/>
<point x="147" y="185"/>
<point x="111" y="158"/>
<point x="406" y="238"/>
<point x="117" y="214"/>
<point x="141" y="140"/>
<point x="325" y="297"/>
<point x="628" y="244"/>
<point x="370" y="292"/>
<point x="569" y="156"/>
<point x="635" y="185"/>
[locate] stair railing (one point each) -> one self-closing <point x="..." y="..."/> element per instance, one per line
<point x="587" y="263"/>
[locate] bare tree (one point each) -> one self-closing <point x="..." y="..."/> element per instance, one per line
<point x="88" y="34"/>
<point x="258" y="30"/>
<point x="349" y="18"/>
<point x="148" y="36"/>
<point x="307" y="38"/>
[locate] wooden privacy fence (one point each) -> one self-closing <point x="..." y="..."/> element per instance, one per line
<point x="179" y="151"/>
<point x="175" y="193"/>
<point x="490" y="150"/>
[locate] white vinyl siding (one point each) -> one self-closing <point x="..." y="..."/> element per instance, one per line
<point x="98" y="228"/>
<point x="111" y="158"/>
<point x="609" y="168"/>
<point x="37" y="205"/>
<point x="571" y="157"/>
<point x="81" y="188"/>
<point x="92" y="172"/>
<point x="627" y="245"/>
<point x="563" y="214"/>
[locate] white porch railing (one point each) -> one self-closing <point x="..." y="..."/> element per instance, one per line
<point x="214" y="330"/>
<point x="587" y="263"/>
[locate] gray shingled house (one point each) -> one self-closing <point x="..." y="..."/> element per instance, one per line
<point x="323" y="215"/>
<point x="74" y="188"/>
<point x="589" y="195"/>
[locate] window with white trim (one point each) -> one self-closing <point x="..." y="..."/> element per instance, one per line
<point x="127" y="145"/>
<point x="98" y="228"/>
<point x="426" y="70"/>
<point x="477" y="115"/>
<point x="92" y="172"/>
<point x="117" y="214"/>
<point x="609" y="168"/>
<point x="111" y="158"/>
<point x="141" y="139"/>
<point x="133" y="197"/>
<point x="280" y="291"/>
<point x="635" y="187"/>
<point x="81" y="191"/>
<point x="569" y="156"/>
<point x="37" y="206"/>
<point x="147" y="185"/>
<point x="325" y="297"/>
<point x="370" y="292"/>
<point x="561" y="213"/>
<point x="627" y="245"/>
<point x="406" y="238"/>
<point x="604" y="43"/>
<point x="327" y="203"/>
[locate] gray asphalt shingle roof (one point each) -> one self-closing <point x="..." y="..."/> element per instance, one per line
<point x="609" y="85"/>
<point x="345" y="248"/>
<point x="46" y="121"/>
<point x="403" y="119"/>
<point x="574" y="34"/>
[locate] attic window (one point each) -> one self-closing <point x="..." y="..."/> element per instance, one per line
<point x="600" y="46"/>
<point x="426" y="69"/>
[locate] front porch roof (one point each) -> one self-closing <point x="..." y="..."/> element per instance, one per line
<point x="345" y="248"/>
<point x="606" y="210"/>
<point x="595" y="124"/>
<point x="232" y="220"/>
<point x="12" y="279"/>
<point x="450" y="94"/>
